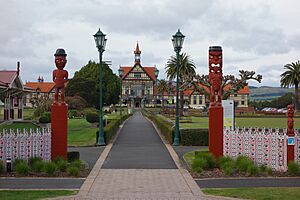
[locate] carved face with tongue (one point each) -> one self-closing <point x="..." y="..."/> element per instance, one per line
<point x="215" y="59"/>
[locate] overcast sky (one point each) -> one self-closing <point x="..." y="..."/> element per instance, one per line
<point x="259" y="35"/>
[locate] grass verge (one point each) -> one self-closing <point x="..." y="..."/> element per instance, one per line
<point x="34" y="194"/>
<point x="81" y="133"/>
<point x="257" y="193"/>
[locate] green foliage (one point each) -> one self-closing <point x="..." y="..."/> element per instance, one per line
<point x="252" y="170"/>
<point x="199" y="164"/>
<point x="77" y="163"/>
<point x="223" y="160"/>
<point x="50" y="168"/>
<point x="74" y="114"/>
<point x="61" y="164"/>
<point x="73" y="171"/>
<point x="242" y="163"/>
<point x="22" y="168"/>
<point x="280" y="102"/>
<point x="211" y="161"/>
<point x="293" y="168"/>
<point x="16" y="162"/>
<point x="37" y="166"/>
<point x="2" y="168"/>
<point x="194" y="137"/>
<point x="76" y="102"/>
<point x="92" y="117"/>
<point x="86" y="84"/>
<point x="43" y="106"/>
<point x="228" y="168"/>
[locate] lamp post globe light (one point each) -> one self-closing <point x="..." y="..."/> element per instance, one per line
<point x="121" y="72"/>
<point x="100" y="41"/>
<point x="177" y="41"/>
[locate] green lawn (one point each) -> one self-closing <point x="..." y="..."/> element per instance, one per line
<point x="81" y="133"/>
<point x="202" y="122"/>
<point x="33" y="194"/>
<point x="257" y="193"/>
<point x="17" y="125"/>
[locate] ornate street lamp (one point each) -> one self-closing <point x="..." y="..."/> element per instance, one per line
<point x="156" y="71"/>
<point x="100" y="44"/>
<point x="121" y="72"/>
<point x="177" y="44"/>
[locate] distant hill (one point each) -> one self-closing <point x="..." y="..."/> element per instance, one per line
<point x="267" y="93"/>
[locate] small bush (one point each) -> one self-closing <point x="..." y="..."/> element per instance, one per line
<point x="2" y="168"/>
<point x="22" y="168"/>
<point x="293" y="168"/>
<point x="252" y="170"/>
<point x="44" y="120"/>
<point x="263" y="168"/>
<point x="211" y="161"/>
<point x="37" y="166"/>
<point x="199" y="164"/>
<point x="49" y="168"/>
<point x="77" y="164"/>
<point x="228" y="168"/>
<point x="34" y="159"/>
<point x="73" y="171"/>
<point x="242" y="163"/>
<point x="92" y="117"/>
<point x="17" y="162"/>
<point x="62" y="165"/>
<point x="269" y="171"/>
<point x="223" y="160"/>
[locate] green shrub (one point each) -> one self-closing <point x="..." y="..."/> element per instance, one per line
<point x="2" y="168"/>
<point x="199" y="164"/>
<point x="194" y="137"/>
<point x="210" y="159"/>
<point x="76" y="163"/>
<point x="44" y="120"/>
<point x="242" y="163"/>
<point x="92" y="117"/>
<point x="22" y="168"/>
<point x="37" y="166"/>
<point x="253" y="170"/>
<point x="223" y="160"/>
<point x="61" y="164"/>
<point x="73" y="155"/>
<point x="73" y="171"/>
<point x="49" y="168"/>
<point x="34" y="159"/>
<point x="228" y="168"/>
<point x="293" y="168"/>
<point x="16" y="162"/>
<point x="269" y="171"/>
<point x="263" y="168"/>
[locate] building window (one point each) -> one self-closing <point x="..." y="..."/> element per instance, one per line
<point x="243" y="96"/>
<point x="195" y="99"/>
<point x="242" y="102"/>
<point x="200" y="100"/>
<point x="235" y="94"/>
<point x="137" y="75"/>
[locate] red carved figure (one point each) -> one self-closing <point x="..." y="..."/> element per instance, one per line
<point x="60" y="76"/>
<point x="215" y="75"/>
<point x="290" y="122"/>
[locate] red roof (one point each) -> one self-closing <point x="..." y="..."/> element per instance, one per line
<point x="44" y="87"/>
<point x="149" y="70"/>
<point x="7" y="77"/>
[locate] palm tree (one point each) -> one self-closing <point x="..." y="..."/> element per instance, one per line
<point x="291" y="77"/>
<point x="186" y="71"/>
<point x="162" y="87"/>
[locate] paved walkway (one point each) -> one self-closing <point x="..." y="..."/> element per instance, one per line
<point x="139" y="166"/>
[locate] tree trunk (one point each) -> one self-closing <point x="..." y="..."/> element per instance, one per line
<point x="296" y="97"/>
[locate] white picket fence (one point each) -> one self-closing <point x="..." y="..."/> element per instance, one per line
<point x="25" y="144"/>
<point x="263" y="146"/>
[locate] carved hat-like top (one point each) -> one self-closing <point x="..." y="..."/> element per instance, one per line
<point x="60" y="52"/>
<point x="215" y="48"/>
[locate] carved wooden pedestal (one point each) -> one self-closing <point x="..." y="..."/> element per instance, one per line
<point x="216" y="131"/>
<point x="59" y="128"/>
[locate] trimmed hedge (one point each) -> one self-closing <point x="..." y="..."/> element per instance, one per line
<point x="111" y="129"/>
<point x="194" y="137"/>
<point x="188" y="137"/>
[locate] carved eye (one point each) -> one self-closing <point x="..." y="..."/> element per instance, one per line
<point x="211" y="56"/>
<point x="220" y="56"/>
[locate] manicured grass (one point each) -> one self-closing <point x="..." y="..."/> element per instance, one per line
<point x="81" y="133"/>
<point x="202" y="122"/>
<point x="257" y="193"/>
<point x="190" y="156"/>
<point x="33" y="194"/>
<point x="17" y="125"/>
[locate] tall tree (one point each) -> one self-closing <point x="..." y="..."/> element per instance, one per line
<point x="186" y="72"/>
<point x="86" y="84"/>
<point x="162" y="87"/>
<point x="291" y="77"/>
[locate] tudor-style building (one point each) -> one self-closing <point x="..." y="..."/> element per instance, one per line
<point x="138" y="83"/>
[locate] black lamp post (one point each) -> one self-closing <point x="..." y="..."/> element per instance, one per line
<point x="177" y="44"/>
<point x="121" y="72"/>
<point x="100" y="44"/>
<point x="156" y="71"/>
